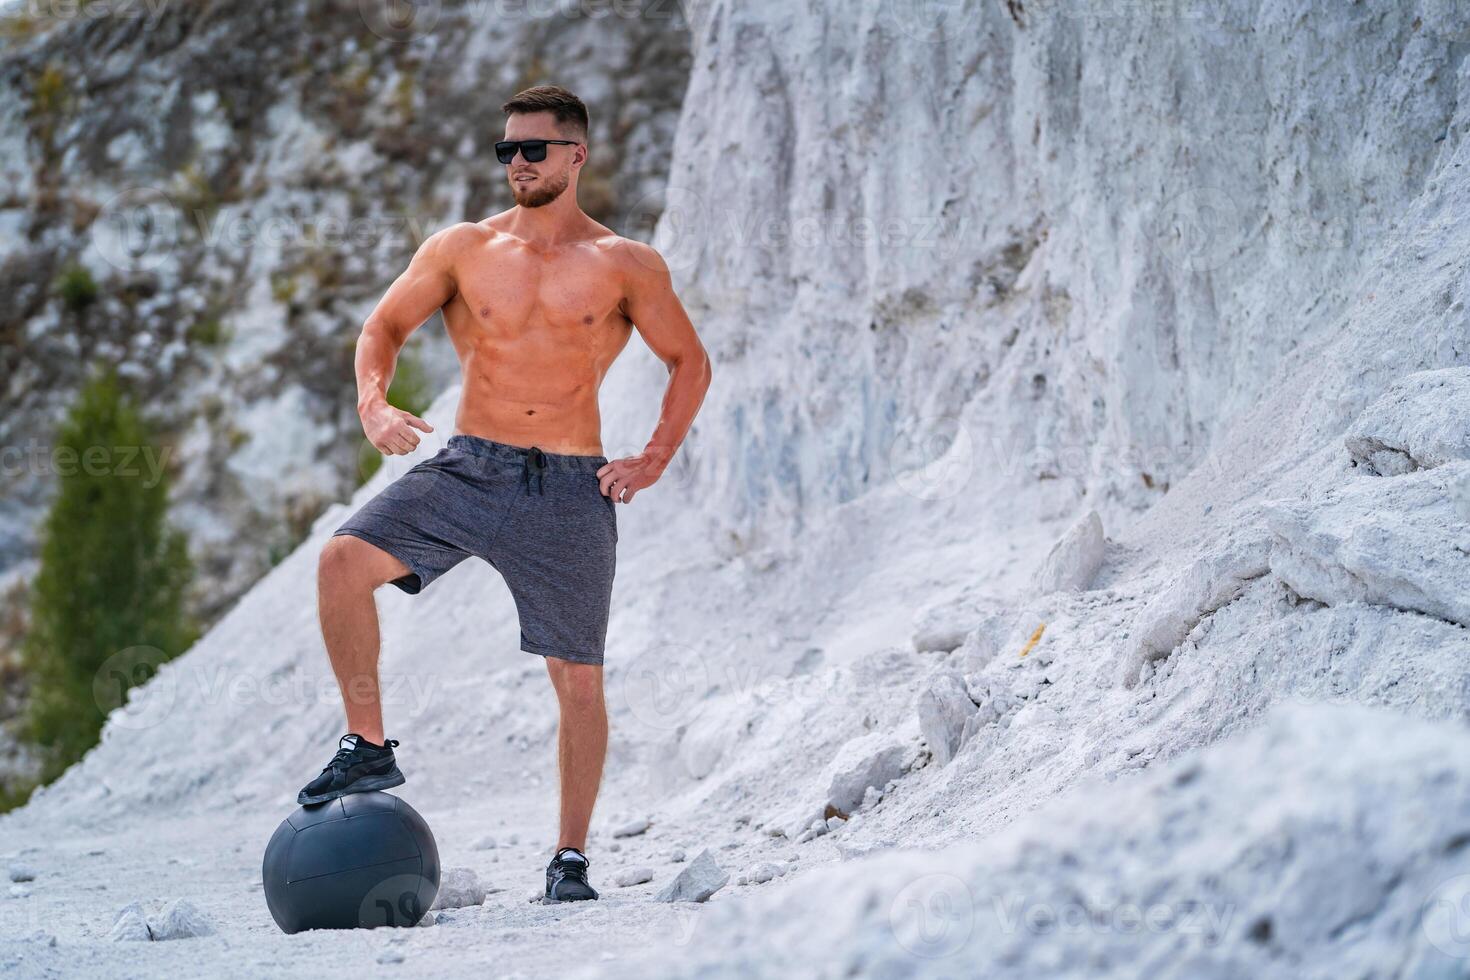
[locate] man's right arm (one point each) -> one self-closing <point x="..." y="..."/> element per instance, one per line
<point x="425" y="286"/>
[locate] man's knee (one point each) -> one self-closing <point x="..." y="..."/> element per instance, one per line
<point x="578" y="686"/>
<point x="348" y="560"/>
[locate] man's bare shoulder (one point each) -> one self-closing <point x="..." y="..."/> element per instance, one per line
<point x="636" y="260"/>
<point x="447" y="245"/>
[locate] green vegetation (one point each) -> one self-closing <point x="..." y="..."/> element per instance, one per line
<point x="51" y="94"/>
<point x="77" y="288"/>
<point x="13" y="795"/>
<point x="107" y="606"/>
<point x="283" y="288"/>
<point x="51" y="100"/>
<point x="19" y="26"/>
<point x="207" y="331"/>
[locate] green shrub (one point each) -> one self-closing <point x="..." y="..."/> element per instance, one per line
<point x="207" y="331"/>
<point x="107" y="605"/>
<point x="14" y="795"/>
<point x="77" y="288"/>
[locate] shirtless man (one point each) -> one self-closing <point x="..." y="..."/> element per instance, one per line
<point x="538" y="300"/>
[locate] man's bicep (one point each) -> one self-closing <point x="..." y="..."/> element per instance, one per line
<point x="424" y="287"/>
<point x="657" y="314"/>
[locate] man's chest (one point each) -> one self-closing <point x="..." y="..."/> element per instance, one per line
<point x="512" y="290"/>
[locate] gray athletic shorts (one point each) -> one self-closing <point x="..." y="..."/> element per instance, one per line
<point x="539" y="518"/>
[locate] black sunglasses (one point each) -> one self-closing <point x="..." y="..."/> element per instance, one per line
<point x="533" y="150"/>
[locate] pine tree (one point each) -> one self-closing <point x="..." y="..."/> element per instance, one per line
<point x="107" y="606"/>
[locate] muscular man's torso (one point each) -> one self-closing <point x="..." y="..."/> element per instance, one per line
<point x="536" y="330"/>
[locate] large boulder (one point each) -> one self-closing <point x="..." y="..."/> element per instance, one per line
<point x="943" y="708"/>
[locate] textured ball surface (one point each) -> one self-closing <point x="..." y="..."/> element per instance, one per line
<point x="358" y="862"/>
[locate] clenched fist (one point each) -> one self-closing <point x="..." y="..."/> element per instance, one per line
<point x="390" y="429"/>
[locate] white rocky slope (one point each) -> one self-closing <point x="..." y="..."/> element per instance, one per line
<point x="807" y="624"/>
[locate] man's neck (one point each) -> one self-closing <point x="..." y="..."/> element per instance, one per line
<point x="555" y="223"/>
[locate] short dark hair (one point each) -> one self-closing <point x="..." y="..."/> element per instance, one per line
<point x="565" y="107"/>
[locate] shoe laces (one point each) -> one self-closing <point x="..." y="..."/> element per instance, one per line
<point x="576" y="870"/>
<point x="348" y="750"/>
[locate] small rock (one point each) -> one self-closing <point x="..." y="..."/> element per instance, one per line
<point x="391" y="955"/>
<point x="130" y="925"/>
<point x="429" y="919"/>
<point x="486" y="843"/>
<point x="678" y="856"/>
<point x="42" y="937"/>
<point x="696" y="882"/>
<point x="763" y="872"/>
<point x="180" y="919"/>
<point x="633" y="828"/>
<point x="628" y="877"/>
<point x="849" y="851"/>
<point x="22" y="872"/>
<point x="458" y="888"/>
<point x="835" y="823"/>
<point x="872" y="796"/>
<point x="942" y="627"/>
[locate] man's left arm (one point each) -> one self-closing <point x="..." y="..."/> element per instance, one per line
<point x="658" y="316"/>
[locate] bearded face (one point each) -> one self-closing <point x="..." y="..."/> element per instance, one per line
<point x="536" y="185"/>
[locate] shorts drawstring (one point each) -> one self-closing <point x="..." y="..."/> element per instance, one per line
<point x="535" y="462"/>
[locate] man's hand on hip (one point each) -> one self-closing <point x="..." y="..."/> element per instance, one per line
<point x="391" y="429"/>
<point x="620" y="479"/>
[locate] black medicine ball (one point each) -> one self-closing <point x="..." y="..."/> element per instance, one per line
<point x="357" y="862"/>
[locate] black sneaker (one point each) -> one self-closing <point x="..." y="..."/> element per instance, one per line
<point x="358" y="767"/>
<point x="566" y="877"/>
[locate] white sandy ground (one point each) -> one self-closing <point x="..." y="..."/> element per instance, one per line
<point x="1256" y="708"/>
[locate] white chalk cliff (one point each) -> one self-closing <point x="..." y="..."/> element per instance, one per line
<point x="1091" y="393"/>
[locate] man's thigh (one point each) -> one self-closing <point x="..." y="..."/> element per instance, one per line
<point x="434" y="516"/>
<point x="558" y="554"/>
